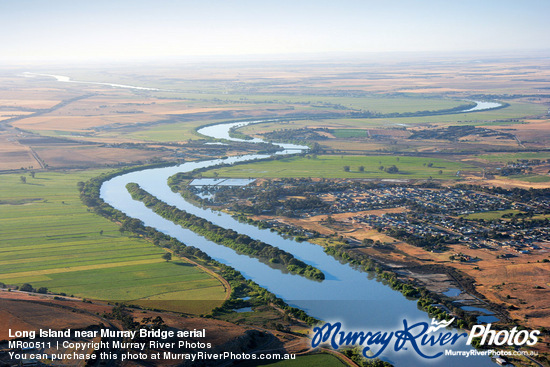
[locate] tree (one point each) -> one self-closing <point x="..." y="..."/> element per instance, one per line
<point x="346" y="168"/>
<point x="167" y="256"/>
<point x="32" y="174"/>
<point x="26" y="288"/>
<point x="361" y="168"/>
<point x="392" y="169"/>
<point x="23" y="179"/>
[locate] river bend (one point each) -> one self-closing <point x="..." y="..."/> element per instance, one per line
<point x="348" y="295"/>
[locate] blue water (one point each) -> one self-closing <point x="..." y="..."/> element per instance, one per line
<point x="347" y="295"/>
<point x="452" y="292"/>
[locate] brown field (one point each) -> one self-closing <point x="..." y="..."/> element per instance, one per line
<point x="79" y="156"/>
<point x="34" y="313"/>
<point x="13" y="155"/>
<point x="202" y="93"/>
<point x="4" y="115"/>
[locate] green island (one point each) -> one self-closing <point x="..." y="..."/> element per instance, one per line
<point x="226" y="237"/>
<point x="239" y="287"/>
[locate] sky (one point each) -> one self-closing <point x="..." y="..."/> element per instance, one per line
<point x="41" y="30"/>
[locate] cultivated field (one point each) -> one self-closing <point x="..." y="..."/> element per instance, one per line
<point x="95" y="118"/>
<point x="49" y="239"/>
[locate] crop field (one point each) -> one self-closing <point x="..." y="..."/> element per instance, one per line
<point x="49" y="239"/>
<point x="329" y="166"/>
<point x="349" y="133"/>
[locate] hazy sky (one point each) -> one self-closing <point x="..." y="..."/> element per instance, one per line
<point x="120" y="29"/>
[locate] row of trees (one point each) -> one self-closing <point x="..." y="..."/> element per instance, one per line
<point x="390" y="169"/>
<point x="426" y="299"/>
<point x="226" y="237"/>
<point x="240" y="286"/>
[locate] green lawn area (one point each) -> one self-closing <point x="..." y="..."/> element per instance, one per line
<point x="49" y="239"/>
<point x="332" y="166"/>
<point x="496" y="214"/>
<point x="349" y="133"/>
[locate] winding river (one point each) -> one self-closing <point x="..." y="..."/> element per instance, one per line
<point x="348" y="295"/>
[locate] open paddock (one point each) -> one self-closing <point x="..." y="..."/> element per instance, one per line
<point x="332" y="166"/>
<point x="93" y="156"/>
<point x="49" y="239"/>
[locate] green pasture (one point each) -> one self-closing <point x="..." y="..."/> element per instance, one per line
<point x="492" y="215"/>
<point x="169" y="131"/>
<point x="513" y="157"/>
<point x="380" y="103"/>
<point x="349" y="133"/>
<point x="49" y="239"/>
<point x="516" y="110"/>
<point x="332" y="166"/>
<point x="529" y="178"/>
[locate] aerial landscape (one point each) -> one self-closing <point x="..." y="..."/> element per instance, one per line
<point x="275" y="194"/>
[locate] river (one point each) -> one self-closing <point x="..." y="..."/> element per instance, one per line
<point x="66" y="79"/>
<point x="348" y="295"/>
<point x="480" y="106"/>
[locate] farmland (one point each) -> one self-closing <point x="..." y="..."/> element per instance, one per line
<point x="49" y="239"/>
<point x="367" y="115"/>
<point x="329" y="166"/>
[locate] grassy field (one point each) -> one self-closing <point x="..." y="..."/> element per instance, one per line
<point x="496" y="214"/>
<point x="177" y="131"/>
<point x="516" y="110"/>
<point x="330" y="166"/>
<point x="49" y="239"/>
<point x="349" y="133"/>
<point x="512" y="157"/>
<point x="529" y="178"/>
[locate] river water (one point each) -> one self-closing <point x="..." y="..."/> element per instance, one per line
<point x="347" y="295"/>
<point x="480" y="106"/>
<point x="66" y="79"/>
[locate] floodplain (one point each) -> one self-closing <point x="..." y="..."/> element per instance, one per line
<point x="360" y="117"/>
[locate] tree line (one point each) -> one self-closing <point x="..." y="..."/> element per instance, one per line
<point x="240" y="286"/>
<point x="224" y="236"/>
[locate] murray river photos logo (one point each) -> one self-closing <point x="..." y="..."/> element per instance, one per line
<point x="421" y="337"/>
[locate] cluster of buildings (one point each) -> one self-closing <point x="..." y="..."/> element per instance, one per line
<point x="443" y="213"/>
<point x="448" y="201"/>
